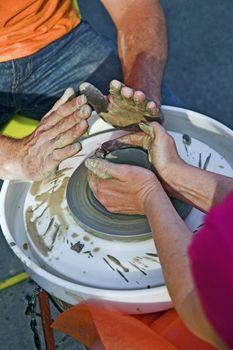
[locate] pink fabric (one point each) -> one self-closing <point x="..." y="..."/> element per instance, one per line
<point x="211" y="254"/>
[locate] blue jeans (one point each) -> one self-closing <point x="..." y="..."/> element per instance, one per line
<point x="30" y="85"/>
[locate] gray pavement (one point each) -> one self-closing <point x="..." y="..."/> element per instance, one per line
<point x="199" y="71"/>
<point x="200" y="60"/>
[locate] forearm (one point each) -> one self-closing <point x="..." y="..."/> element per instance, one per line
<point x="142" y="44"/>
<point x="172" y="239"/>
<point x="199" y="187"/>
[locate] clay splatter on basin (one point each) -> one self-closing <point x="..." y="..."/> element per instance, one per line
<point x="68" y="245"/>
<point x="141" y="294"/>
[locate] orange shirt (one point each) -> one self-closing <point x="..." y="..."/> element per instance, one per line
<point x="26" y="26"/>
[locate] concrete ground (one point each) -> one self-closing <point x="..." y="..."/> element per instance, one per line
<point x="199" y="71"/>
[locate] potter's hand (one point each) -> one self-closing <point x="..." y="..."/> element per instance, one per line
<point x="123" y="107"/>
<point x="121" y="188"/>
<point x="56" y="138"/>
<point x="159" y="144"/>
<point x="195" y="186"/>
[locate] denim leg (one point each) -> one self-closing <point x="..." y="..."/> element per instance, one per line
<point x="82" y="55"/>
<point x="6" y="97"/>
<point x="31" y="85"/>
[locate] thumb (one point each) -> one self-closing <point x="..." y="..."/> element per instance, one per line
<point x="94" y="97"/>
<point x="153" y="129"/>
<point x="147" y="129"/>
<point x="103" y="168"/>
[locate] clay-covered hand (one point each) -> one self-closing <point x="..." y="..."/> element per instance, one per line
<point x="121" y="188"/>
<point x="56" y="138"/>
<point x="159" y="144"/>
<point x="123" y="107"/>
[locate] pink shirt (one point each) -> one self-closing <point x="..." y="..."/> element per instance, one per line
<point x="211" y="254"/>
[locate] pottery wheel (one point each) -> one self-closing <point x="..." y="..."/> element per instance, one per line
<point x="75" y="265"/>
<point x="74" y="237"/>
<point x="89" y="212"/>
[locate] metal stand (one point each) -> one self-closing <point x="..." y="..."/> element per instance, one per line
<point x="46" y="320"/>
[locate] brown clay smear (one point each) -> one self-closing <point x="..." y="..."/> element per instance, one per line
<point x="52" y="199"/>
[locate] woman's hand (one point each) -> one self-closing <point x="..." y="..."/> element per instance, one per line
<point x="122" y="188"/>
<point x="160" y="146"/>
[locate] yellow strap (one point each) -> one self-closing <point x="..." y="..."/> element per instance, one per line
<point x="75" y="2"/>
<point x="19" y="127"/>
<point x="13" y="280"/>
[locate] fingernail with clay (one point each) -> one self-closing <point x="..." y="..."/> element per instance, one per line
<point x="85" y="111"/>
<point x="94" y="165"/>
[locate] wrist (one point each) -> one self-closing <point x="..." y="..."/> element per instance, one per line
<point x="10" y="160"/>
<point x="152" y="195"/>
<point x="172" y="169"/>
<point x="172" y="174"/>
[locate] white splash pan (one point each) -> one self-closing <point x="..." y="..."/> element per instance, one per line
<point x="208" y="137"/>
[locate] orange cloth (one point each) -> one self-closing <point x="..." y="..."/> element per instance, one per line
<point x="158" y="331"/>
<point x="26" y="26"/>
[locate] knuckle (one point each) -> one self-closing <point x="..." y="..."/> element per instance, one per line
<point x="63" y="123"/>
<point x="111" y="209"/>
<point x="56" y="155"/>
<point x="59" y="138"/>
<point x="41" y="129"/>
<point x="61" y="110"/>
